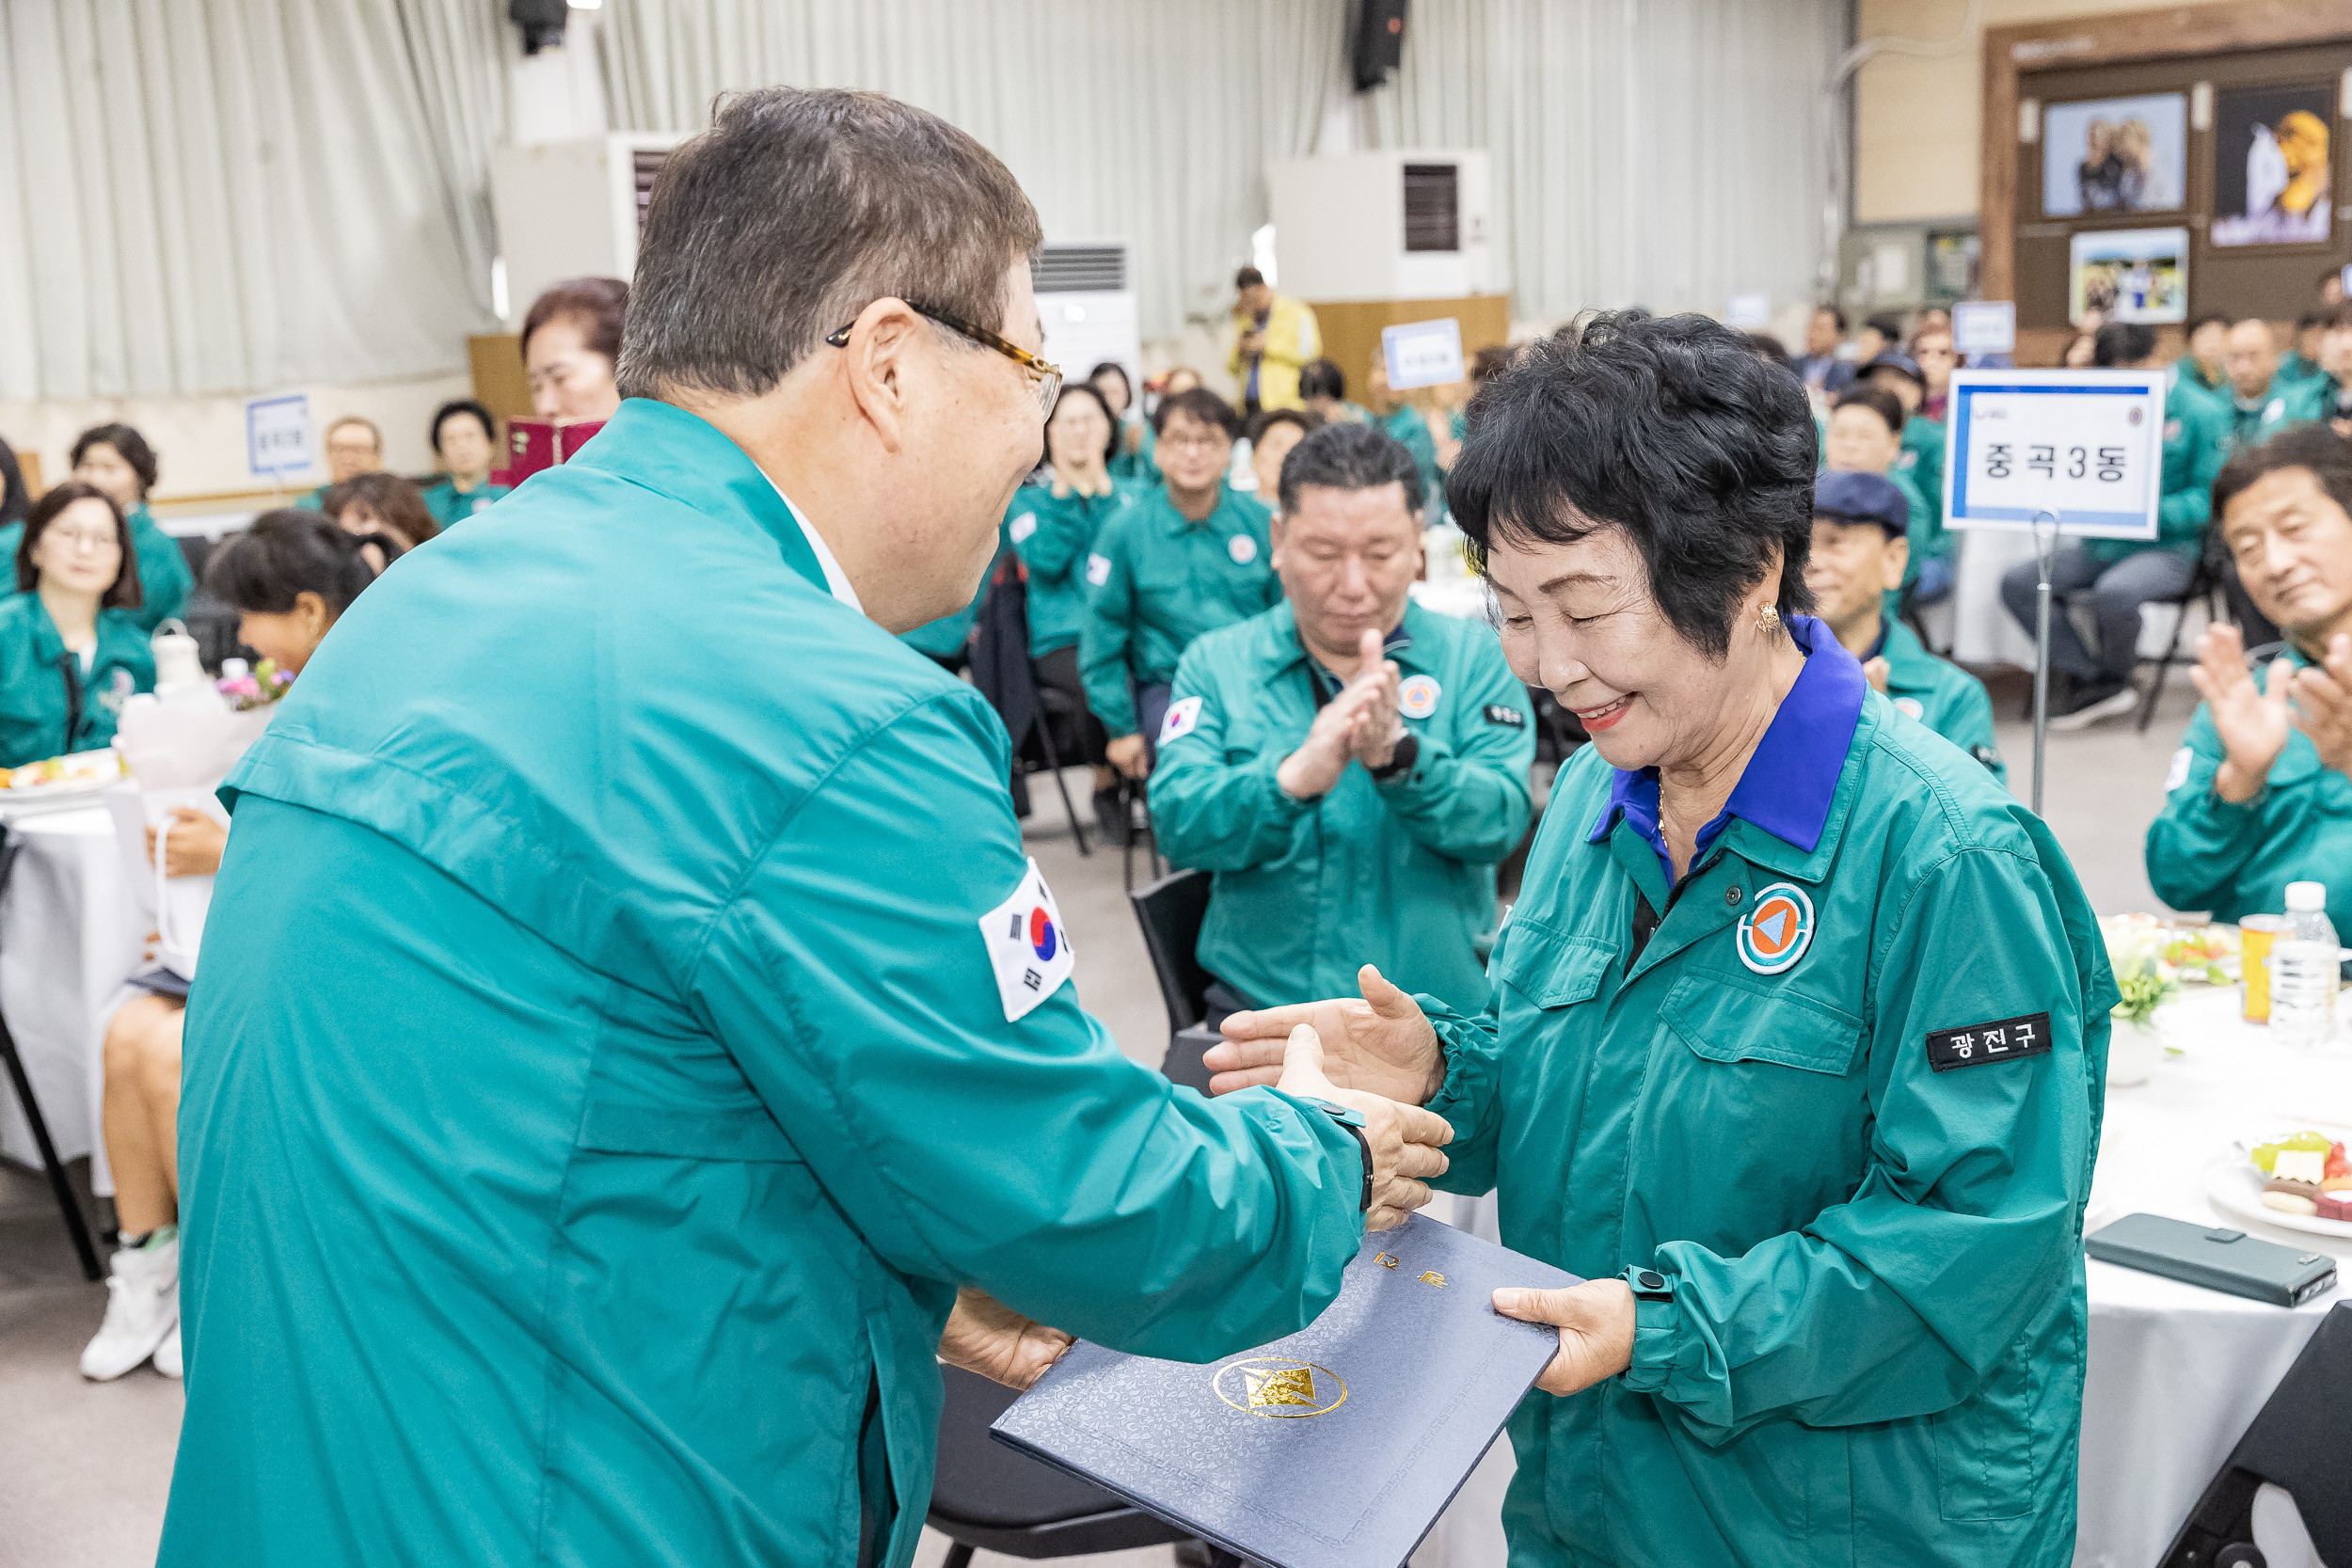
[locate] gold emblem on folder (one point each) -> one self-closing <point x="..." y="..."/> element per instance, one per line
<point x="1278" y="1388"/>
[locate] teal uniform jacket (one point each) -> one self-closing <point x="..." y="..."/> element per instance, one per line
<point x="1158" y="581"/>
<point x="2197" y="442"/>
<point x="1921" y="462"/>
<point x="1941" y="695"/>
<point x="1054" y="535"/>
<point x="2294" y="370"/>
<point x="1399" y="874"/>
<point x="1406" y="425"/>
<point x="2236" y="858"/>
<point x="1872" y="1346"/>
<point x="1137" y="468"/>
<point x="567" y="1199"/>
<point x="2281" y="405"/>
<point x="165" y="580"/>
<point x="42" y="686"/>
<point x="450" y="506"/>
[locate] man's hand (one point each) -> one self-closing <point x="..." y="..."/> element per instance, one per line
<point x="1384" y="725"/>
<point x="2253" y="723"/>
<point x="194" y="846"/>
<point x="1874" y="671"/>
<point x="1596" y="1324"/>
<point x="1331" y="740"/>
<point x="986" y="1336"/>
<point x="1381" y="1045"/>
<point x="1405" y="1140"/>
<point x="1252" y="343"/>
<point x="2322" y="704"/>
<point x="1126" y="754"/>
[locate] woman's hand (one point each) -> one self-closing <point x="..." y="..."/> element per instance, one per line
<point x="1403" y="1140"/>
<point x="2253" y="723"/>
<point x="1126" y="754"/>
<point x="1381" y="1045"/>
<point x="986" y="1336"/>
<point x="194" y="847"/>
<point x="1596" y="1324"/>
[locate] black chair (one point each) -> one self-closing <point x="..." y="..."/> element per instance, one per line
<point x="2297" y="1442"/>
<point x="1171" y="911"/>
<point x="985" y="1494"/>
<point x="1133" y="798"/>
<point x="68" y="1205"/>
<point x="1002" y="671"/>
<point x="2204" y="582"/>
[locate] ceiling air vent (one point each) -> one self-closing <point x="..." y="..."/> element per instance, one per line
<point x="1096" y="266"/>
<point x="1433" y="207"/>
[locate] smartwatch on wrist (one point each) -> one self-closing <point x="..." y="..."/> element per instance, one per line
<point x="1354" y="1121"/>
<point x="1399" y="761"/>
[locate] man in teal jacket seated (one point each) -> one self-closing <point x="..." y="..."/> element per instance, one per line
<point x="601" y="1184"/>
<point x="1350" y="766"/>
<point x="2260" y="794"/>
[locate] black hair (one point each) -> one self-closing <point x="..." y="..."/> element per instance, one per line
<point x="2121" y="344"/>
<point x="1489" y="362"/>
<point x="1112" y="367"/>
<point x="1834" y="314"/>
<point x="124" y="593"/>
<point x="1082" y="389"/>
<point x="2310" y="319"/>
<point x="1888" y="328"/>
<point x="1201" y="403"/>
<point x="1321" y="379"/>
<point x="2211" y="318"/>
<point x="288" y="553"/>
<point x="2316" y="447"/>
<point x="1248" y="278"/>
<point x="455" y="406"/>
<point x="1671" y="428"/>
<point x="1350" y="456"/>
<point x="1771" y="348"/>
<point x="1879" y="400"/>
<point x="1267" y="418"/>
<point x="128" y="444"/>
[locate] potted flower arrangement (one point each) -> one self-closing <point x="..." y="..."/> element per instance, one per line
<point x="2147" y="978"/>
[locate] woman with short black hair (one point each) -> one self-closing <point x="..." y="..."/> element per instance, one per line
<point x="70" y="645"/>
<point x="1828" y="1203"/>
<point x="464" y="439"/>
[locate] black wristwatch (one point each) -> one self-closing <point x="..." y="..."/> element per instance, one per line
<point x="1399" y="761"/>
<point x="1353" y="1122"/>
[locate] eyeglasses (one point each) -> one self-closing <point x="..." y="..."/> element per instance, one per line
<point x="71" y="539"/>
<point x="1046" y="378"/>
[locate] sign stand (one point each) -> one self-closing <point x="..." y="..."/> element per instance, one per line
<point x="2045" y="550"/>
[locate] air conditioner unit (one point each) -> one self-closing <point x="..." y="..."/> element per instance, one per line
<point x="1088" y="307"/>
<point x="1393" y="225"/>
<point x="572" y="209"/>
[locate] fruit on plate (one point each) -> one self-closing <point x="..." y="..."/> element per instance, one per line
<point x="2198" y="954"/>
<point x="75" y="768"/>
<point x="2266" y="1155"/>
<point x="2334" y="1206"/>
<point x="2338" y="1176"/>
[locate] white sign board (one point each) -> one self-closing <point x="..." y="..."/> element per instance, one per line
<point x="279" y="440"/>
<point x="1984" y="326"/>
<point x="2086" y="445"/>
<point x="1422" y="354"/>
<point x="1749" y="312"/>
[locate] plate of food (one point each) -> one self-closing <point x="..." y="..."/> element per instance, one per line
<point x="2301" y="1181"/>
<point x="2204" y="955"/>
<point x="70" y="779"/>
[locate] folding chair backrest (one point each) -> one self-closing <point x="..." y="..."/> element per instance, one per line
<point x="1171" y="911"/>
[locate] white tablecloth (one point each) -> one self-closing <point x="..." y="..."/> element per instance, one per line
<point x="2176" y="1373"/>
<point x="71" y="930"/>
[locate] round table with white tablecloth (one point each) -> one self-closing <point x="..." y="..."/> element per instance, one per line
<point x="71" y="930"/>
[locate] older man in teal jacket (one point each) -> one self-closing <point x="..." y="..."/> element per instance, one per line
<point x="630" y="1024"/>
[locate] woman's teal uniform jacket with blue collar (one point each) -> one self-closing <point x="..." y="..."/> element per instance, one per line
<point x="42" y="686"/>
<point x="1054" y="534"/>
<point x="2235" y="857"/>
<point x="564" y="1195"/>
<point x="1400" y="873"/>
<point x="165" y="580"/>
<point x="1872" y="1346"/>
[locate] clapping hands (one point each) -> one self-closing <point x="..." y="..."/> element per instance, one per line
<point x="2253" y="723"/>
<point x="1362" y="723"/>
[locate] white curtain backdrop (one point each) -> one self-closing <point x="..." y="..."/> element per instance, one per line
<point x="1663" y="152"/>
<point x="220" y="196"/>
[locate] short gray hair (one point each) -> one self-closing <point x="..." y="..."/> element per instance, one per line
<point x="794" y="211"/>
<point x="1349" y="456"/>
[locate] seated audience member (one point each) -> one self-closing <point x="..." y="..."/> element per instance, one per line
<point x="1273" y="433"/>
<point x="2203" y="368"/>
<point x="2301" y="363"/>
<point x="1864" y="436"/>
<point x="16" y="503"/>
<point x="1177" y="379"/>
<point x="289" y="576"/>
<point x="1771" y="348"/>
<point x="354" y="447"/>
<point x="463" y="440"/>
<point x="1821" y="369"/>
<point x="2260" y="793"/>
<point x="2262" y="402"/>
<point x="1132" y="462"/>
<point x="1921" y="460"/>
<point x="118" y="460"/>
<point x="570" y="340"/>
<point x="1350" y="766"/>
<point x="2196" y="444"/>
<point x="70" y="647"/>
<point x="1186" y="558"/>
<point x="2331" y="287"/>
<point x="1052" y="528"/>
<point x="1931" y="350"/>
<point x="1393" y="415"/>
<point x="1878" y="335"/>
<point x="2335" y="362"/>
<point x="1323" y="392"/>
<point x="1859" y="526"/>
<point x="381" y="504"/>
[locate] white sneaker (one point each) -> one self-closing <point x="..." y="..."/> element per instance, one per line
<point x="142" y="1310"/>
<point x="167" y="1353"/>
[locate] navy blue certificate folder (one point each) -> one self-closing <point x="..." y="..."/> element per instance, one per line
<point x="1335" y="1448"/>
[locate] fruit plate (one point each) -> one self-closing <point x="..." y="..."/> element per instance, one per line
<point x="2236" y="1189"/>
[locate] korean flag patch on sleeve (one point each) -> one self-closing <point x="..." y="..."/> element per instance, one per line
<point x="1183" y="714"/>
<point x="1098" y="569"/>
<point x="1027" y="946"/>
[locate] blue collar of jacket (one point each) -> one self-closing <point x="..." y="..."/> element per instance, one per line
<point x="684" y="457"/>
<point x="1791" y="782"/>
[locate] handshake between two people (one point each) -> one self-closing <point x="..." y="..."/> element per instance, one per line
<point x="1378" y="1055"/>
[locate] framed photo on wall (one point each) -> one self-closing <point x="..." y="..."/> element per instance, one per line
<point x="2272" y="153"/>
<point x="2115" y="155"/>
<point x="2129" y="274"/>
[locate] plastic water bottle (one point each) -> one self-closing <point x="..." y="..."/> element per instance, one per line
<point x="2303" y="970"/>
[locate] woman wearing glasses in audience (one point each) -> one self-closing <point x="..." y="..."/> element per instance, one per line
<point x="462" y="439"/>
<point x="71" y="647"/>
<point x="1798" y="1031"/>
<point x="118" y="460"/>
<point x="290" y="577"/>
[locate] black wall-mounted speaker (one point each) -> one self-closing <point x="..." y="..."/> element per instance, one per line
<point x="1379" y="40"/>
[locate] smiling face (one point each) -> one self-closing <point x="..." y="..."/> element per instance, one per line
<point x="1578" y="620"/>
<point x="1851" y="566"/>
<point x="1192" y="456"/>
<point x="1077" y="433"/>
<point x="80" y="552"/>
<point x="2293" y="545"/>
